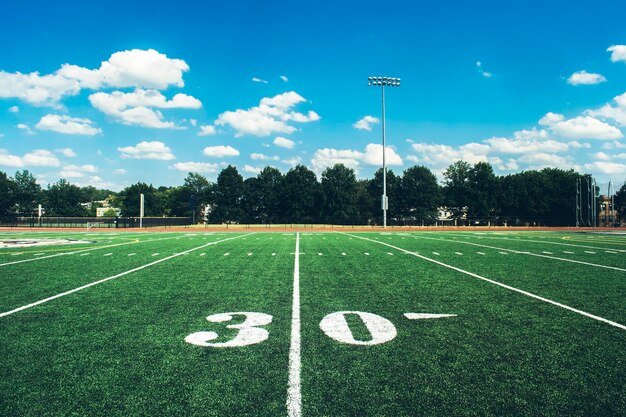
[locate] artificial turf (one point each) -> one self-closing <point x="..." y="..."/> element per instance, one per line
<point x="118" y="347"/>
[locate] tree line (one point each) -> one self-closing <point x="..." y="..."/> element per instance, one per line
<point x="471" y="194"/>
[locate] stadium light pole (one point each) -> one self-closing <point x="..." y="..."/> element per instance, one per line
<point x="382" y="82"/>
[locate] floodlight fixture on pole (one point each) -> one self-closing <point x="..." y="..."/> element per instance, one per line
<point x="382" y="82"/>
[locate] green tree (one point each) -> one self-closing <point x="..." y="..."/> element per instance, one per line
<point x="338" y="189"/>
<point x="483" y="190"/>
<point x="300" y="196"/>
<point x="110" y="213"/>
<point x="363" y="203"/>
<point x="200" y="189"/>
<point x="28" y="194"/>
<point x="456" y="189"/>
<point x="421" y="195"/>
<point x="228" y="193"/>
<point x="128" y="200"/>
<point x="63" y="199"/>
<point x="620" y="202"/>
<point x="270" y="185"/>
<point x="375" y="190"/>
<point x="7" y="197"/>
<point x="252" y="211"/>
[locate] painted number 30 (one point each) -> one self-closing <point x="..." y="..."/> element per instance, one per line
<point x="334" y="325"/>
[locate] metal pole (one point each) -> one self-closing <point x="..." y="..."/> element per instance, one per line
<point x="384" y="167"/>
<point x="577" y="201"/>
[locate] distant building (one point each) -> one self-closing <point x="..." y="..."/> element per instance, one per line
<point x="101" y="210"/>
<point x="607" y="214"/>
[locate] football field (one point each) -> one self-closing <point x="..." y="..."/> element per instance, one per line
<point x="404" y="323"/>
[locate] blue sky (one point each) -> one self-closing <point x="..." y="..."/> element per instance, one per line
<point x="114" y="93"/>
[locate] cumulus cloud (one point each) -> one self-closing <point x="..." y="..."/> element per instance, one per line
<point x="272" y="115"/>
<point x="14" y="109"/>
<point x="251" y="169"/>
<point x="365" y="123"/>
<point x="521" y="146"/>
<point x="207" y="130"/>
<point x="581" y="127"/>
<point x="293" y="161"/>
<point x="608" y="168"/>
<point x="77" y="171"/>
<point x="263" y="157"/>
<point x="136" y="108"/>
<point x="67" y="152"/>
<point x="372" y="155"/>
<point x="258" y="80"/>
<point x="543" y="160"/>
<point x="284" y="142"/>
<point x="284" y="78"/>
<point x="67" y="125"/>
<point x="36" y="158"/>
<point x="616" y="112"/>
<point x="220" y="151"/>
<point x="147" y="150"/>
<point x="585" y="78"/>
<point x="614" y="145"/>
<point x="189" y="166"/>
<point x="131" y="68"/>
<point x="25" y="128"/>
<point x="618" y="52"/>
<point x="120" y="171"/>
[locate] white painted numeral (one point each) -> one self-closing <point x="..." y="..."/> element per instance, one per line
<point x="336" y="327"/>
<point x="249" y="333"/>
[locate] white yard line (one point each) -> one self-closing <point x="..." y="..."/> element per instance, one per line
<point x="508" y="287"/>
<point x="294" y="395"/>
<point x="518" y="239"/>
<point x="80" y="251"/>
<point x="524" y="253"/>
<point x="91" y="284"/>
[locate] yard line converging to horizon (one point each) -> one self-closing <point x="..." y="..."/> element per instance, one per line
<point x="294" y="394"/>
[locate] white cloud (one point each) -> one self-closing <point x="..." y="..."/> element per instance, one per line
<point x="81" y="168"/>
<point x="578" y="145"/>
<point x="585" y="127"/>
<point x="252" y="170"/>
<point x="601" y="156"/>
<point x="220" y="151"/>
<point x="530" y="134"/>
<point x="373" y="155"/>
<point x="270" y="116"/>
<point x="131" y="68"/>
<point x="193" y="122"/>
<point x="617" y="112"/>
<point x="439" y="156"/>
<point x="512" y="146"/>
<point x="608" y="168"/>
<point x="204" y="167"/>
<point x="293" y="161"/>
<point x="479" y="67"/>
<point x="37" y="157"/>
<point x="542" y="160"/>
<point x="67" y="152"/>
<point x="284" y="78"/>
<point x="68" y="125"/>
<point x="207" y="130"/>
<point x="614" y="145"/>
<point x="14" y="109"/>
<point x="551" y="119"/>
<point x="263" y="157"/>
<point x="365" y="123"/>
<point x="618" y="52"/>
<point x="147" y="150"/>
<point x="585" y="78"/>
<point x="120" y="171"/>
<point x="284" y="142"/>
<point x="136" y="108"/>
<point x="258" y="80"/>
<point x="25" y="128"/>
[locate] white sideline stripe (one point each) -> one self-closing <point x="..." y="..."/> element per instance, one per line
<point x="91" y="284"/>
<point x="547" y="253"/>
<point x="294" y="395"/>
<point x="508" y="287"/>
<point x="82" y="250"/>
<point x="549" y="243"/>
<point x="526" y="253"/>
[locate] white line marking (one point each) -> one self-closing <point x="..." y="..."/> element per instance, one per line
<point x="421" y="316"/>
<point x="508" y="287"/>
<point x="202" y="254"/>
<point x="249" y="253"/>
<point x="16" y="254"/>
<point x="566" y="251"/>
<point x="91" y="284"/>
<point x="480" y="253"/>
<point x="588" y="251"/>
<point x="458" y="253"/>
<point x="503" y="253"/>
<point x="319" y="253"/>
<point x="528" y="253"/>
<point x="294" y="395"/>
<point x="343" y="254"/>
<point x="389" y="253"/>
<point x="273" y="254"/>
<point x="108" y="254"/>
<point x="132" y="254"/>
<point x="547" y="253"/>
<point x="436" y="253"/>
<point x="227" y="253"/>
<point x="155" y="254"/>
<point x="610" y="251"/>
<point x="366" y="254"/>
